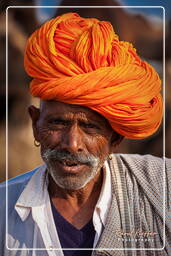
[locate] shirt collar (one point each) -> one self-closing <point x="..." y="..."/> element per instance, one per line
<point x="34" y="194"/>
<point x="104" y="201"/>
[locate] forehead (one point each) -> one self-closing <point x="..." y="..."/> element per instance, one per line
<point x="50" y="108"/>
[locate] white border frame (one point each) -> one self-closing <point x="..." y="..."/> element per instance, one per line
<point x="83" y="249"/>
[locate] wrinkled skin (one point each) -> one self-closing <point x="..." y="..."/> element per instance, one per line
<point x="72" y="130"/>
<point x="75" y="141"/>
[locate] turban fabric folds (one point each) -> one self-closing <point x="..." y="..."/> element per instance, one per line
<point x="81" y="61"/>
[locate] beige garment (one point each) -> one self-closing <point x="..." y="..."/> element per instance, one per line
<point x="138" y="205"/>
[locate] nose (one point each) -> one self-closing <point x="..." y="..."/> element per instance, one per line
<point x="72" y="140"/>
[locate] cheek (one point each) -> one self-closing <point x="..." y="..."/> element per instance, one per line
<point x="49" y="138"/>
<point x="99" y="146"/>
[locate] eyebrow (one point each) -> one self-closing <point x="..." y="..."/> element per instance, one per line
<point x="82" y="120"/>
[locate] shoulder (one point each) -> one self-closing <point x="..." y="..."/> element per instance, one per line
<point x="15" y="186"/>
<point x="149" y="174"/>
<point x="146" y="169"/>
<point x="146" y="166"/>
<point x="142" y="161"/>
<point x="145" y="172"/>
<point x="18" y="181"/>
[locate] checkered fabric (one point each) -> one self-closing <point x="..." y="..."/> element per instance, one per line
<point x="135" y="223"/>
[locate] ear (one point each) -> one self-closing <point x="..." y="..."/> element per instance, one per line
<point x="115" y="141"/>
<point x="34" y="114"/>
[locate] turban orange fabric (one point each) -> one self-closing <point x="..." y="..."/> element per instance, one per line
<point x="81" y="61"/>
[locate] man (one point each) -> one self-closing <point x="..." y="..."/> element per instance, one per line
<point x="94" y="91"/>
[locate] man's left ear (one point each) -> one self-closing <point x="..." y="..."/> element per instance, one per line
<point x="34" y="115"/>
<point x="115" y="141"/>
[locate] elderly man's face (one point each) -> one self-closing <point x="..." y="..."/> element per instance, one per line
<point x="75" y="142"/>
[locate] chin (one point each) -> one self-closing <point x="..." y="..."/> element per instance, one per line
<point x="70" y="184"/>
<point x="73" y="181"/>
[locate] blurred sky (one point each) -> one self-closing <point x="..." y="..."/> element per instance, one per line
<point x="153" y="13"/>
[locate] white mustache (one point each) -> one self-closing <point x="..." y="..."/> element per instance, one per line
<point x="59" y="155"/>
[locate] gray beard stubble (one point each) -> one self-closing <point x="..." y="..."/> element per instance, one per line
<point x="71" y="182"/>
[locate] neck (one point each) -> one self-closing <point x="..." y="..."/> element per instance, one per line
<point x="80" y="196"/>
<point x="76" y="206"/>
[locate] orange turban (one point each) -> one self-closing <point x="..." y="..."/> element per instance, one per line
<point x="81" y="61"/>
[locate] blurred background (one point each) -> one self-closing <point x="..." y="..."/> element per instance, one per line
<point x="141" y="26"/>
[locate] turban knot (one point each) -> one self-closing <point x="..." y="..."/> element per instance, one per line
<point x="82" y="61"/>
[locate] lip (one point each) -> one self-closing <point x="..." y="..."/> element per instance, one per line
<point x="71" y="169"/>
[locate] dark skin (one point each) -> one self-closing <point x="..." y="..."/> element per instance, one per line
<point x="77" y="130"/>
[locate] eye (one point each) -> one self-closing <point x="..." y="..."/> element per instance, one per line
<point x="57" y="122"/>
<point x="90" y="126"/>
